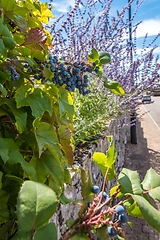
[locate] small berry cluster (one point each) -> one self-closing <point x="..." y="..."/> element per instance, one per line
<point x="14" y="74"/>
<point x="113" y="226"/>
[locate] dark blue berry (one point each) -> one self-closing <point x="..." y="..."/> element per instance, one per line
<point x="105" y="196"/>
<point x="111" y="231"/>
<point x="119" y="209"/>
<point x="95" y="189"/>
<point x="123" y="218"/>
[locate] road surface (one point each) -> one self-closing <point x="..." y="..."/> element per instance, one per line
<point x="153" y="109"/>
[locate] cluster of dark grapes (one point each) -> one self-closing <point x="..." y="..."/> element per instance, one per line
<point x="69" y="74"/>
<point x="14" y="74"/>
<point x="122" y="217"/>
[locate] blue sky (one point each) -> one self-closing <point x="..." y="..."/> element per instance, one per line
<point x="149" y="13"/>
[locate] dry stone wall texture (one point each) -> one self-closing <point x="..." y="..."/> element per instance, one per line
<point x="121" y="137"/>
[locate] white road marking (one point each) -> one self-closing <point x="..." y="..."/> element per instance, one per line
<point x="151" y="117"/>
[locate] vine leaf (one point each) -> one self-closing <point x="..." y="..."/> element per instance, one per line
<point x="64" y="200"/>
<point x="45" y="134"/>
<point x="86" y="186"/>
<point x="151" y="215"/>
<point x="2" y="48"/>
<point x="1" y="174"/>
<point x="20" y="114"/>
<point x="6" y="36"/>
<point x="152" y="181"/>
<point x="102" y="233"/>
<point x="35" y="35"/>
<point x="33" y="209"/>
<point x="48" y="232"/>
<point x="38" y="100"/>
<point x="130" y="181"/>
<point x="50" y="164"/>
<point x="65" y="104"/>
<point x="65" y="140"/>
<point x="9" y="153"/>
<point x="4" y="212"/>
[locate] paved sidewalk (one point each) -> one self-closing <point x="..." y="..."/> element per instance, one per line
<point x="142" y="156"/>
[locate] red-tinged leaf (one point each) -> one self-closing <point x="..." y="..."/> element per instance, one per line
<point x="35" y="35"/>
<point x="65" y="140"/>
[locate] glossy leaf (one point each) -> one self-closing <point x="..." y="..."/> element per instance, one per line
<point x="7" y="38"/>
<point x="64" y="200"/>
<point x="130" y="181"/>
<point x="65" y="106"/>
<point x="104" y="57"/>
<point x="4" y="212"/>
<point x="45" y="135"/>
<point x="115" y="87"/>
<point x="80" y="236"/>
<point x="111" y="153"/>
<point x="38" y="100"/>
<point x="93" y="56"/>
<point x="132" y="208"/>
<point x="48" y="232"/>
<point x="33" y="209"/>
<point x="7" y="5"/>
<point x="151" y="215"/>
<point x="151" y="180"/>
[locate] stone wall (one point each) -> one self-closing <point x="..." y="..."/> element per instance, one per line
<point x="121" y="137"/>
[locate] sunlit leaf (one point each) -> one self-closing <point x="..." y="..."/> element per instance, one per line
<point x="93" y="56"/>
<point x="48" y="232"/>
<point x="104" y="57"/>
<point x="33" y="209"/>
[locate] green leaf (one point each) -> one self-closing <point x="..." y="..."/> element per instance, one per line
<point x="7" y="38"/>
<point x="80" y="236"/>
<point x="38" y="55"/>
<point x="71" y="222"/>
<point x="9" y="152"/>
<point x="20" y="114"/>
<point x="104" y="57"/>
<point x="152" y="181"/>
<point x="4" y="212"/>
<point x="111" y="153"/>
<point x="86" y="186"/>
<point x="45" y="134"/>
<point x="112" y="191"/>
<point x="25" y="52"/>
<point x="93" y="56"/>
<point x="48" y="232"/>
<point x="2" y="48"/>
<point x="65" y="139"/>
<point x="132" y="208"/>
<point x="115" y="87"/>
<point x="5" y="228"/>
<point x="65" y="106"/>
<point x="7" y="5"/>
<point x="30" y="61"/>
<point x="151" y="215"/>
<point x="24" y="235"/>
<point x="4" y="76"/>
<point x="47" y="164"/>
<point x="130" y="181"/>
<point x="1" y="174"/>
<point x="130" y="224"/>
<point x="38" y="100"/>
<point x="64" y="200"/>
<point x="3" y="90"/>
<point x="33" y="209"/>
<point x="120" y="237"/>
<point x="102" y="233"/>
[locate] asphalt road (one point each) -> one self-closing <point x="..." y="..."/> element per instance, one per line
<point x="153" y="109"/>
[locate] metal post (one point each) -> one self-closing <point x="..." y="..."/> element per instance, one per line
<point x="133" y="114"/>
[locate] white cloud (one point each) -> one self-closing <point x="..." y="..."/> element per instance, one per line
<point x="63" y="6"/>
<point x="150" y="26"/>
